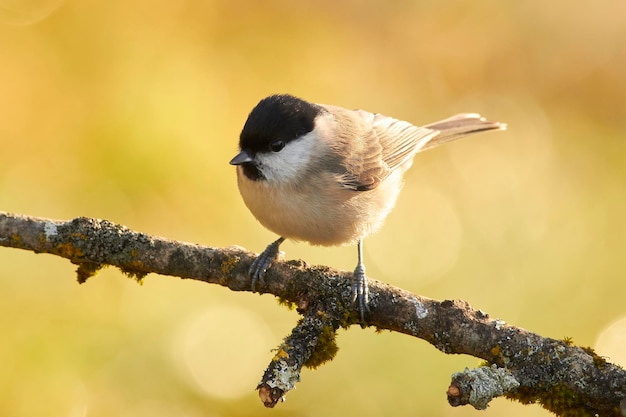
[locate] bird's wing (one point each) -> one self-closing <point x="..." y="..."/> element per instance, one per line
<point x="377" y="145"/>
<point x="371" y="146"/>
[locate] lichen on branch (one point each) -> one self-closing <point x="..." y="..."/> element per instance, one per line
<point x="568" y="380"/>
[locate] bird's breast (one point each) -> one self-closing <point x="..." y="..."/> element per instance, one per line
<point x="318" y="209"/>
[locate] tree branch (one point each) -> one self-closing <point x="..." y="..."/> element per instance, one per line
<point x="565" y="379"/>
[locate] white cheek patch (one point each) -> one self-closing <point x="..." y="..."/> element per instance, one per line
<point x="287" y="165"/>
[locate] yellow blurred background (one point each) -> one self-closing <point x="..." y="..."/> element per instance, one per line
<point x="130" y="111"/>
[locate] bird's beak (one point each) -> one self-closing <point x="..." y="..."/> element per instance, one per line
<point x="243" y="157"/>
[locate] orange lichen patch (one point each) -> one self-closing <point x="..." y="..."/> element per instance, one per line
<point x="68" y="250"/>
<point x="281" y="353"/>
<point x="16" y="240"/>
<point x="228" y="265"/>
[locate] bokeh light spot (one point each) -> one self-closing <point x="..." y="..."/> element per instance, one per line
<point x="220" y="350"/>
<point x="611" y="342"/>
<point x="27" y="12"/>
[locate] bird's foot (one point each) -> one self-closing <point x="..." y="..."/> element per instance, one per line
<point x="262" y="262"/>
<point x="360" y="290"/>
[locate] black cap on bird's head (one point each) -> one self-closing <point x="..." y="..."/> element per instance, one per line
<point x="278" y="117"/>
<point x="274" y="122"/>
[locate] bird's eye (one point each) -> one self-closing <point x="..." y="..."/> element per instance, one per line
<point x="277" y="145"/>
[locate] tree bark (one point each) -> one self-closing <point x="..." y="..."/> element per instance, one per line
<point x="565" y="379"/>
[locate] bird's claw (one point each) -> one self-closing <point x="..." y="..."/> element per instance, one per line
<point x="262" y="262"/>
<point x="360" y="290"/>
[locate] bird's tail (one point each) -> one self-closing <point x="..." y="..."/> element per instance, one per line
<point x="458" y="126"/>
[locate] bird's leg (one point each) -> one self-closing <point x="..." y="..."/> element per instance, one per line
<point x="262" y="262"/>
<point x="360" y="290"/>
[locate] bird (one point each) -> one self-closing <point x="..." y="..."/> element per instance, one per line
<point x="328" y="175"/>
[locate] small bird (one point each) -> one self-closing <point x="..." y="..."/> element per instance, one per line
<point x="328" y="175"/>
